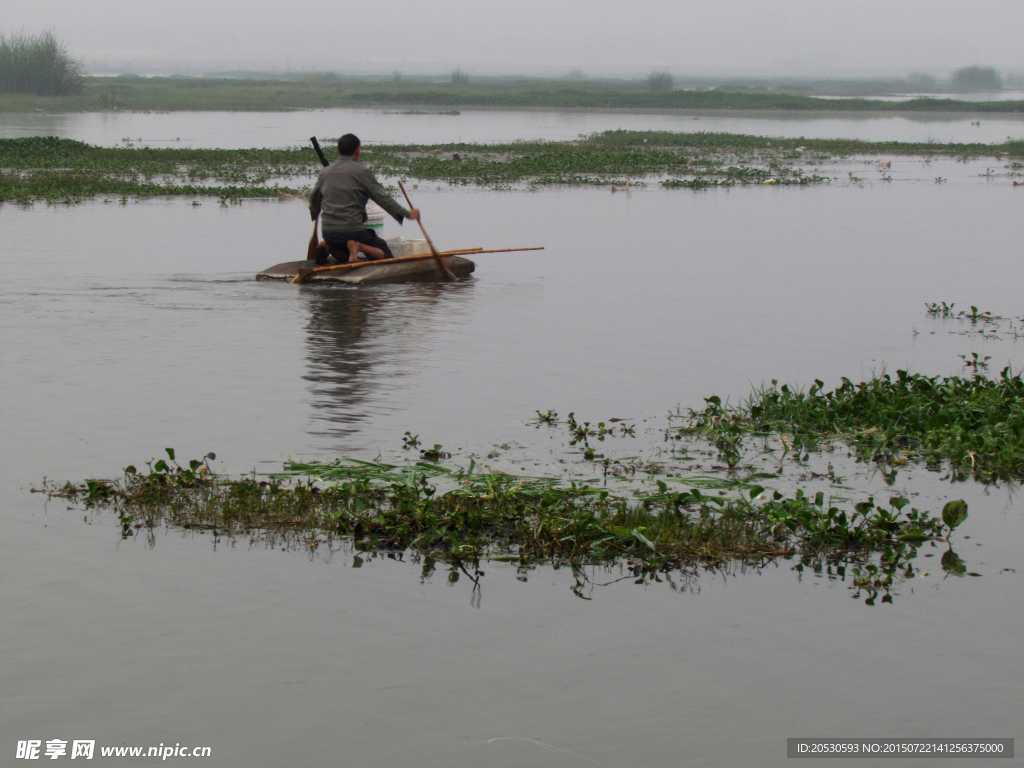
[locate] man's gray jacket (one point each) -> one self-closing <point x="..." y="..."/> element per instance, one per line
<point x="341" y="193"/>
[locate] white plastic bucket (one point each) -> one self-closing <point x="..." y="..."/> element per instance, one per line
<point x="374" y="217"/>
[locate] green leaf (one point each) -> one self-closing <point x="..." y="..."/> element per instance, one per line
<point x="170" y="452"/>
<point x="643" y="539"/>
<point x="899" y="502"/>
<point x="953" y="564"/>
<point x="756" y="491"/>
<point x="954" y="513"/>
<point x="914" y="535"/>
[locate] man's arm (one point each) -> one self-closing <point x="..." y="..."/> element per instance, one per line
<point x="380" y="196"/>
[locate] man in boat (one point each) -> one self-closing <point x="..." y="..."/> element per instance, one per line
<point x="340" y="196"/>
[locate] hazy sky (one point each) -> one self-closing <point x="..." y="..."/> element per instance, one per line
<point x="622" y="37"/>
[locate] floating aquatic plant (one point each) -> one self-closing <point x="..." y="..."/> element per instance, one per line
<point x="63" y="170"/>
<point x="975" y="424"/>
<point x="463" y="516"/>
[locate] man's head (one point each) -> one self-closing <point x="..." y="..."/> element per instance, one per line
<point x="348" y="145"/>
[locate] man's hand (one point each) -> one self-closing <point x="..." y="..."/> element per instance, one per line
<point x="414" y="214"/>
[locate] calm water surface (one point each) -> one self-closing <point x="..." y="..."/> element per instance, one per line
<point x="129" y="328"/>
<point x="283" y="129"/>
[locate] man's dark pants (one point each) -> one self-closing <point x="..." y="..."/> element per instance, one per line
<point x="339" y="241"/>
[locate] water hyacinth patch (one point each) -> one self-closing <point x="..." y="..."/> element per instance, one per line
<point x="463" y="516"/>
<point x="974" y="424"/>
<point x="62" y="170"/>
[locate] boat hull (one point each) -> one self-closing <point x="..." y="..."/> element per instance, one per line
<point x="420" y="270"/>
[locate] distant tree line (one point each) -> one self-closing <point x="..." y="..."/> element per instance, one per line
<point x="976" y="79"/>
<point x="38" y="65"/>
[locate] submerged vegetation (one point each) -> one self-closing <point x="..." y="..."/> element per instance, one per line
<point x="63" y="170"/>
<point x="458" y="89"/>
<point x="37" y="65"/>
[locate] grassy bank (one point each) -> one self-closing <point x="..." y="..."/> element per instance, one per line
<point x="175" y="93"/>
<point x="62" y="170"/>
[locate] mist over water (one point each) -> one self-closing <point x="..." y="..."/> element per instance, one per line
<point x="796" y="38"/>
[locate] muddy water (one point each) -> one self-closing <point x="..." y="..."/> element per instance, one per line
<point x="127" y="329"/>
<point x="283" y="129"/>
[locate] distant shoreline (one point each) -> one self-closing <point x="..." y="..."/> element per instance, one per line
<point x="170" y="94"/>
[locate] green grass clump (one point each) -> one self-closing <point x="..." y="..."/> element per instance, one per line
<point x="975" y="424"/>
<point x="37" y="65"/>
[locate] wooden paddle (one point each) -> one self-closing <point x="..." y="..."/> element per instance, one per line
<point x="314" y="241"/>
<point x="443" y="267"/>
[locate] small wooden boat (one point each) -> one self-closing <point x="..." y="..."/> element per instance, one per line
<point x="369" y="273"/>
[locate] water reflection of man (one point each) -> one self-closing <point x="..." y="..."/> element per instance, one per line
<point x="361" y="343"/>
<point x="340" y="195"/>
<point x="342" y="348"/>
